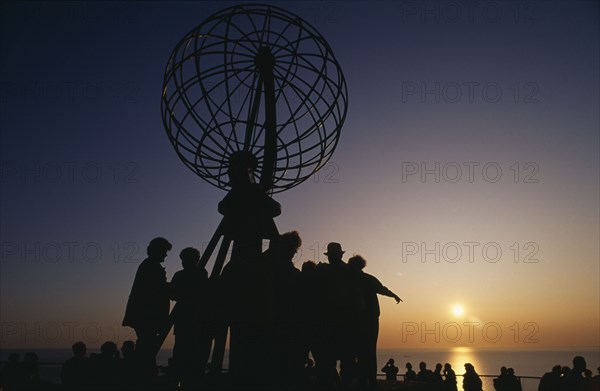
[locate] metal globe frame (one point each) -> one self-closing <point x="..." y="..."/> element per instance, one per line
<point x="254" y="78"/>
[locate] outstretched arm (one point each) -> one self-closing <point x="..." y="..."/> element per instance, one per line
<point x="382" y="290"/>
<point x="386" y="292"/>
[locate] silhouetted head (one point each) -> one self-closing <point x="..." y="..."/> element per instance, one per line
<point x="408" y="365"/>
<point x="79" y="349"/>
<point x="242" y="165"/>
<point x="189" y="257"/>
<point x="157" y="249"/>
<point x="447" y="366"/>
<point x="438" y="367"/>
<point x="357" y="262"/>
<point x="510" y="371"/>
<point x="469" y="367"/>
<point x="285" y="246"/>
<point x="579" y="363"/>
<point x="565" y="370"/>
<point x="587" y="373"/>
<point x="334" y="252"/>
<point x="309" y="267"/>
<point x="391" y="361"/>
<point x="128" y="349"/>
<point x="422" y="365"/>
<point x="109" y="349"/>
<point x="556" y="369"/>
<point x="503" y="371"/>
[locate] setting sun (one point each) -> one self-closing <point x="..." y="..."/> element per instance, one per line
<point x="458" y="310"/>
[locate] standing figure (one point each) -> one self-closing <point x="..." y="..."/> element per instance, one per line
<point x="575" y="381"/>
<point x="410" y="374"/>
<point x="286" y="345"/>
<point x="437" y="376"/>
<point x="449" y="378"/>
<point x="501" y="382"/>
<point x="424" y="375"/>
<point x="390" y="370"/>
<point x="338" y="317"/>
<point x="75" y="372"/>
<point x="368" y="318"/>
<point x="551" y="380"/>
<point x="512" y="382"/>
<point x="471" y="380"/>
<point x="147" y="309"/>
<point x="188" y="290"/>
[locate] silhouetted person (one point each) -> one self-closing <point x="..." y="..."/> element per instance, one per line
<point x="437" y="375"/>
<point x="513" y="383"/>
<point x="551" y="380"/>
<point x="105" y="367"/>
<point x="424" y="375"/>
<point x="338" y="310"/>
<point x="31" y="371"/>
<point x="471" y="380"/>
<point x="574" y="381"/>
<point x="148" y="305"/>
<point x="449" y="378"/>
<point x="188" y="288"/>
<point x="285" y="283"/>
<point x="129" y="370"/>
<point x="390" y="370"/>
<point x="11" y="375"/>
<point x="75" y="371"/>
<point x="501" y="382"/>
<point x="410" y="375"/>
<point x="367" y="318"/>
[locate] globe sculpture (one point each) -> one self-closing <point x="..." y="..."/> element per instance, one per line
<point x="253" y="92"/>
<point x="259" y="79"/>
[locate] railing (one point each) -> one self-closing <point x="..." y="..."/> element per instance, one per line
<point x="528" y="383"/>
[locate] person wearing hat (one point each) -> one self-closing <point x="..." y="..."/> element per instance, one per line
<point x="337" y="317"/>
<point x="334" y="253"/>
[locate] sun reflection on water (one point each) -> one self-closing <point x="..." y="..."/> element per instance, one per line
<point x="461" y="355"/>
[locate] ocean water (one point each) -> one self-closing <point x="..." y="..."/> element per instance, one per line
<point x="531" y="362"/>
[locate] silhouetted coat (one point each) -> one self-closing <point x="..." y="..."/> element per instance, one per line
<point x="391" y="372"/>
<point x="550" y="382"/>
<point x="148" y="304"/>
<point x="188" y="288"/>
<point x="450" y="380"/>
<point x="76" y="372"/>
<point x="472" y="381"/>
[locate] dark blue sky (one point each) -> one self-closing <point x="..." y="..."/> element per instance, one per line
<point x="89" y="176"/>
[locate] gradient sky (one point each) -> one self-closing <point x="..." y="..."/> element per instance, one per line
<point x="89" y="176"/>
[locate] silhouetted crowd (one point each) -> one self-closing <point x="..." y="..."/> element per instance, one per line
<point x="16" y="374"/>
<point x="114" y="369"/>
<point x="561" y="378"/>
<point x="278" y="316"/>
<point x="437" y="379"/>
<point x="564" y="378"/>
